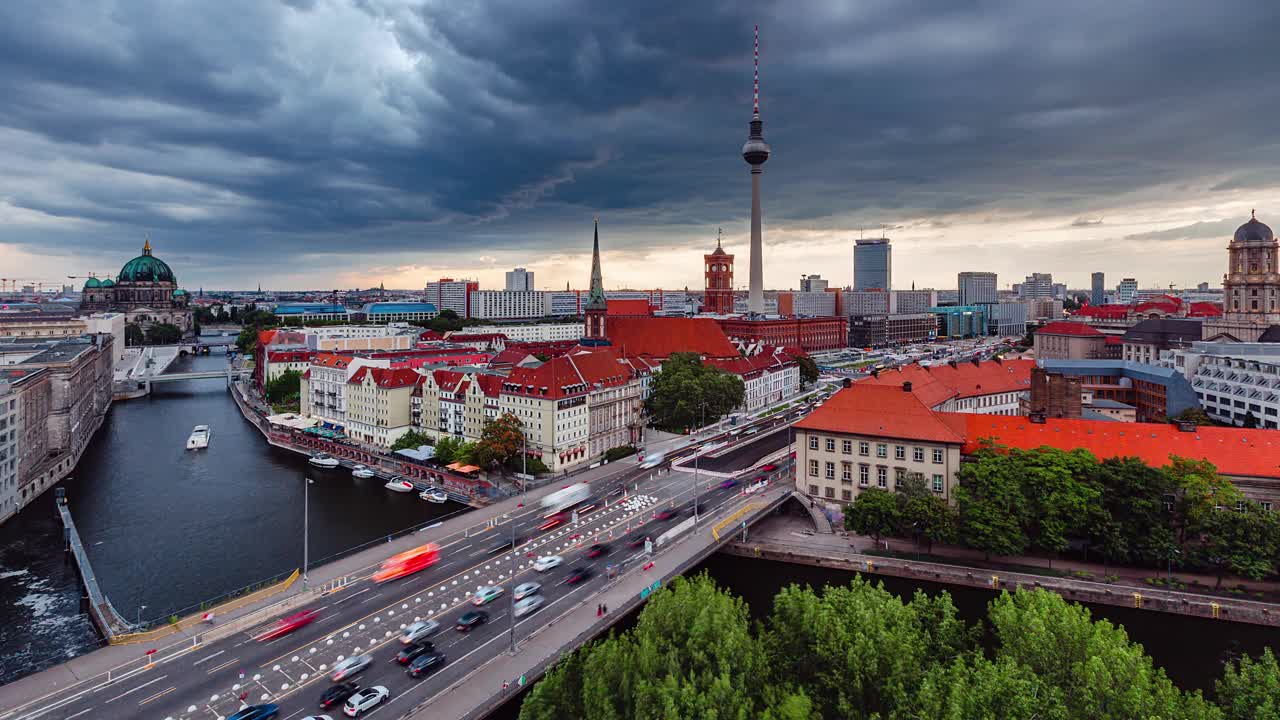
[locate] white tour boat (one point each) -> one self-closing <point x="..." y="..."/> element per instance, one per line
<point x="199" y="438"/>
<point x="399" y="485"/>
<point x="434" y="495"/>
<point x="360" y="471"/>
<point x="324" y="461"/>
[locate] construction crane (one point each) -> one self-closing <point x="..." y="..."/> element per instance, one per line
<point x="13" y="284"/>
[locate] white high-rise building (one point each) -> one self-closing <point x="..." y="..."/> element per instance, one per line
<point x="976" y="288"/>
<point x="1127" y="291"/>
<point x="507" y="304"/>
<point x="519" y="279"/>
<point x="450" y="294"/>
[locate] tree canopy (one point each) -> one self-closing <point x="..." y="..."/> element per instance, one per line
<point x="808" y="369"/>
<point x="860" y="652"/>
<point x="500" y="440"/>
<point x="686" y="392"/>
<point x="285" y="387"/>
<point x="411" y="440"/>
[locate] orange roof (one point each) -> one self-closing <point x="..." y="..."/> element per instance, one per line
<point x="635" y="308"/>
<point x="265" y="337"/>
<point x="1234" y="451"/>
<point x="936" y="384"/>
<point x="331" y="360"/>
<point x="883" y="411"/>
<point x="1067" y="327"/>
<point x="574" y="373"/>
<point x="661" y="337"/>
<point x="389" y="378"/>
<point x="753" y="365"/>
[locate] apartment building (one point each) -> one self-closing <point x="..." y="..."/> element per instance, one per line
<point x="378" y="404"/>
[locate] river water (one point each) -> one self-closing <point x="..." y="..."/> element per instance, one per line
<point x="168" y="529"/>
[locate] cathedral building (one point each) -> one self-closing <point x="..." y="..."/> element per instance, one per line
<point x="146" y="292"/>
<point x="1251" y="285"/>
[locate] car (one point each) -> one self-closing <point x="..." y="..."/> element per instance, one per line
<point x="419" y="631"/>
<point x="409" y="652"/>
<point x="318" y="717"/>
<point x="552" y="522"/>
<point x="286" y="625"/>
<point x="486" y="595"/>
<point x="366" y="699"/>
<point x="344" y="669"/>
<point x="425" y="664"/>
<point x="666" y="514"/>
<point x="547" y="562"/>
<point x="471" y="619"/>
<point x="528" y="605"/>
<point x="578" y="574"/>
<point x="597" y="550"/>
<point x="337" y="694"/>
<point x="636" y="540"/>
<point x="768" y="468"/>
<point x="727" y="483"/>
<point x="265" y="711"/>
<point x="524" y="590"/>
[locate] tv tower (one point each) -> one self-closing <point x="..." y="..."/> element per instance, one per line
<point x="756" y="152"/>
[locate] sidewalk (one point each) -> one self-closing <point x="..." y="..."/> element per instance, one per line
<point x="112" y="658"/>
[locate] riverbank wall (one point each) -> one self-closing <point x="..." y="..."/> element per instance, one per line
<point x="814" y="551"/>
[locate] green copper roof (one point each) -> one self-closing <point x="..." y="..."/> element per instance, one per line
<point x="146" y="268"/>
<point x="108" y="283"/>
<point x="92" y="283"/>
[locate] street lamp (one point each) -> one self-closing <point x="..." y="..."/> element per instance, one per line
<point x="512" y="578"/>
<point x="1169" y="556"/>
<point x="306" y="530"/>
<point x="139" y="622"/>
<point x="696" y="455"/>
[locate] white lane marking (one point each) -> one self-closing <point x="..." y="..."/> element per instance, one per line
<point x="216" y="668"/>
<point x="158" y="695"/>
<point x="208" y="657"/>
<point x="127" y="692"/>
<point x="339" y="602"/>
<point x="69" y="717"/>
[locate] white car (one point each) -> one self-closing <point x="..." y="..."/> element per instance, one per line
<point x="486" y="595"/>
<point x="365" y="700"/>
<point x="547" y="562"/>
<point x="419" y="631"/>
<point x="352" y="665"/>
<point x="524" y="590"/>
<point x="317" y="717"/>
<point x="528" y="605"/>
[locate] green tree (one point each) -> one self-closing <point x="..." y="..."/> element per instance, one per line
<point x="446" y="321"/>
<point x="163" y="334"/>
<point x="448" y="449"/>
<point x="284" y="387"/>
<point x="1131" y="524"/>
<point x="1192" y="415"/>
<point x="1099" y="673"/>
<point x="686" y="391"/>
<point x="1197" y="490"/>
<point x="991" y="505"/>
<point x="1242" y="542"/>
<point x="410" y="441"/>
<point x="808" y="369"/>
<point x="974" y="687"/>
<point x="500" y="440"/>
<point x="133" y="335"/>
<point x="1250" y="689"/>
<point x="874" y="512"/>
<point x="1058" y="496"/>
<point x="931" y="518"/>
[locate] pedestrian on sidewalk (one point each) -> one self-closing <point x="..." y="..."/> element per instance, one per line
<point x="606" y="609"/>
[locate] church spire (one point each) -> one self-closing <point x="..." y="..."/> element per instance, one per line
<point x="146" y="246"/>
<point x="596" y="299"/>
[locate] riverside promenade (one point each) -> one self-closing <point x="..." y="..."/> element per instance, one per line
<point x="784" y="539"/>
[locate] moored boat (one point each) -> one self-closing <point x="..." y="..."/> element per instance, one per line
<point x="324" y="461"/>
<point x="360" y="471"/>
<point x="399" y="485"/>
<point x="199" y="438"/>
<point x="434" y="495"/>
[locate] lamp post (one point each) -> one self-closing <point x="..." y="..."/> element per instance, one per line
<point x="512" y="578"/>
<point x="1169" y="556"/>
<point x="696" y="455"/>
<point x="139" y="622"/>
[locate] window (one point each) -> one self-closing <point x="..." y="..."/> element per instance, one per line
<point x="846" y="472"/>
<point x="813" y="489"/>
<point x="917" y="454"/>
<point x="831" y="471"/>
<point x="846" y="495"/>
<point x="937" y="456"/>
<point x="1265" y="506"/>
<point x="831" y="445"/>
<point x="882" y="476"/>
<point x="882" y="450"/>
<point x="937" y="483"/>
<point x="813" y="468"/>
<point x="864" y="448"/>
<point x="864" y="474"/>
<point x="813" y="442"/>
<point x="899" y="452"/>
<point x="846" y="447"/>
<point x="829" y="492"/>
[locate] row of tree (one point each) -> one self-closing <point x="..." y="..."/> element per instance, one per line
<point x="688" y="394"/>
<point x="1121" y="510"/>
<point x="499" y="447"/>
<point x="860" y="652"/>
<point x="157" y="334"/>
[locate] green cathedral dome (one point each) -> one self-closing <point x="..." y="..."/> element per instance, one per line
<point x="146" y="268"/>
<point x="92" y="283"/>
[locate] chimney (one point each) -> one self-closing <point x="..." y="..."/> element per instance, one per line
<point x="1187" y="427"/>
<point x="906" y="386"/>
<point x="1037" y="418"/>
<point x="847" y="383"/>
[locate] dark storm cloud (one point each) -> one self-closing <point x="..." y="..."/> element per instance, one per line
<point x="338" y="126"/>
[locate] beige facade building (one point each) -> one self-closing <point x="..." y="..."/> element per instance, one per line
<point x="875" y="436"/>
<point x="40" y="326"/>
<point x="1251" y="285"/>
<point x="378" y="404"/>
<point x="449" y="403"/>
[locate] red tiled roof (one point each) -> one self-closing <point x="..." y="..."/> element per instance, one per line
<point x="1234" y="451"/>
<point x="512" y="355"/>
<point x="882" y="411"/>
<point x="265" y="337"/>
<point x="447" y="380"/>
<point x="937" y="383"/>
<point x="661" y="337"/>
<point x="1114" y="340"/>
<point x="752" y="365"/>
<point x="635" y="308"/>
<point x="476" y="337"/>
<point x="574" y="373"/>
<point x="1162" y="305"/>
<point x="490" y="385"/>
<point x="283" y="356"/>
<point x="1066" y="327"/>
<point x="331" y="360"/>
<point x="1205" y="309"/>
<point x="1114" y="312"/>
<point x="385" y="377"/>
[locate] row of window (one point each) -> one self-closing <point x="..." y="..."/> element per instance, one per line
<point x="882" y="449"/>
<point x="864" y="474"/>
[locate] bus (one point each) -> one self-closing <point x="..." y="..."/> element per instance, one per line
<point x="408" y="563"/>
<point x="566" y="498"/>
<point x="653" y="460"/>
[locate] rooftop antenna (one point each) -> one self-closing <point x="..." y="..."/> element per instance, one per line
<point x="755" y="84"/>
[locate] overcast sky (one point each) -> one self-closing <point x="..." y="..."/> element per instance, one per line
<point x="341" y="143"/>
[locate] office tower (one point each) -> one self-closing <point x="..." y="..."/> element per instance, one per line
<point x="976" y="288"/>
<point x="519" y="279"/>
<point x="873" y="264"/>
